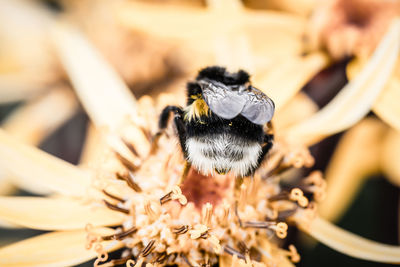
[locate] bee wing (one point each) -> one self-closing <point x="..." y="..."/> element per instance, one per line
<point x="259" y="108"/>
<point x="221" y="100"/>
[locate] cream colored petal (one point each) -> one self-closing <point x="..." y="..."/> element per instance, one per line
<point x="59" y="213"/>
<point x="104" y="95"/>
<point x="298" y="108"/>
<point x="19" y="87"/>
<point x="357" y="155"/>
<point x="93" y="146"/>
<point x="53" y="249"/>
<point x="33" y="168"/>
<point x="390" y="157"/>
<point x="357" y="97"/>
<point x="387" y="106"/>
<point x="351" y="244"/>
<point x="287" y="79"/>
<point x="34" y="121"/>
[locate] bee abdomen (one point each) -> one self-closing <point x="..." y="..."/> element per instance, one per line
<point x="223" y="153"/>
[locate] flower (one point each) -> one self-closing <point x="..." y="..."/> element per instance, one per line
<point x="146" y="227"/>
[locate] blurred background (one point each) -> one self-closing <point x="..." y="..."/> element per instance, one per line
<point x="157" y="45"/>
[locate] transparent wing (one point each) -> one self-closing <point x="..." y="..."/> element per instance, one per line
<point x="258" y="108"/>
<point x="222" y="100"/>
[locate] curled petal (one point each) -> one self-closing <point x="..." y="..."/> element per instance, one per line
<point x="344" y="175"/>
<point x="351" y="244"/>
<point x="55" y="213"/>
<point x="53" y="249"/>
<point x="389" y="157"/>
<point x="357" y="97"/>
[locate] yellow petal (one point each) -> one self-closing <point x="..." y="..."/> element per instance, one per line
<point x="59" y="213"/>
<point x="351" y="244"/>
<point x="53" y="249"/>
<point x="357" y="97"/>
<point x="350" y="165"/>
<point x="33" y="168"/>
<point x="390" y="157"/>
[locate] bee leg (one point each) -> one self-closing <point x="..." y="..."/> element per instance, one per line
<point x="238" y="183"/>
<point x="163" y="123"/>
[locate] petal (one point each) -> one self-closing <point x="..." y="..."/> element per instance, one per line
<point x="387" y="106"/>
<point x="357" y="97"/>
<point x="53" y="249"/>
<point x="19" y="87"/>
<point x="33" y="168"/>
<point x="178" y="22"/>
<point x="31" y="123"/>
<point x="390" y="157"/>
<point x="59" y="213"/>
<point x="104" y="95"/>
<point x="351" y="244"/>
<point x="277" y="84"/>
<point x="350" y="165"/>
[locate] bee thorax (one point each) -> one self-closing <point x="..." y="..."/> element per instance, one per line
<point x="223" y="153"/>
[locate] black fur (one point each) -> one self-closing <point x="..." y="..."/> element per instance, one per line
<point x="220" y="74"/>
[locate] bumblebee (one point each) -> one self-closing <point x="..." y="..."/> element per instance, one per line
<point x="221" y="128"/>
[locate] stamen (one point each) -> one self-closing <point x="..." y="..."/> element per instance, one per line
<point x="293" y="254"/>
<point x="102" y="255"/>
<point x="215" y="243"/>
<point x="207" y="213"/>
<point x="297" y="195"/>
<point x="231" y="251"/>
<point x="130" y="147"/>
<point x="281" y="230"/>
<point x="280" y="196"/>
<point x="198" y="231"/>
<point x="121" y="235"/>
<point x="115" y="207"/>
<point x="175" y="194"/>
<point x="126" y="162"/>
<point x="243" y="195"/>
<point x="149" y="211"/>
<point x="113" y="196"/>
<point x="237" y="214"/>
<point x="148" y="249"/>
<point x="129" y="179"/>
<point x="181" y="230"/>
<point x="184" y="257"/>
<point x="130" y="263"/>
<point x="161" y="258"/>
<point x="260" y="225"/>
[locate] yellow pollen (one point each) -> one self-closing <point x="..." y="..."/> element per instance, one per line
<point x="197" y="109"/>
